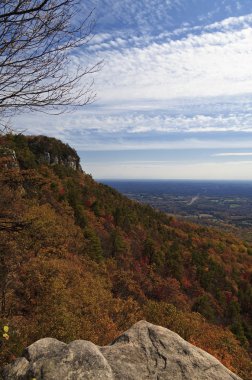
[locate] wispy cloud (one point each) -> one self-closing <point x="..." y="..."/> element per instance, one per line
<point x="177" y="75"/>
<point x="233" y="154"/>
<point x="207" y="64"/>
<point x="127" y="38"/>
<point x="142" y="123"/>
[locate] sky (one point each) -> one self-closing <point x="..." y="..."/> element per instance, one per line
<point x="174" y="95"/>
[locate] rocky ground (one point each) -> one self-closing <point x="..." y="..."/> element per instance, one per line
<point x="143" y="352"/>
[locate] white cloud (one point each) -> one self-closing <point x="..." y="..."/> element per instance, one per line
<point x="231" y="22"/>
<point x="182" y="144"/>
<point x="98" y="121"/>
<point x="141" y="14"/>
<point x="212" y="61"/>
<point x="233" y="154"/>
<point x="99" y="129"/>
<point x="189" y="81"/>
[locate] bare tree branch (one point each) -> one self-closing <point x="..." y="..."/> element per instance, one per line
<point x="40" y="42"/>
<point x="16" y="11"/>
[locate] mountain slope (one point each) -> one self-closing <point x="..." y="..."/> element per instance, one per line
<point x="79" y="260"/>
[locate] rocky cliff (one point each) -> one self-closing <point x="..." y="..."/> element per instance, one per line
<point x="8" y="159"/>
<point x="143" y="352"/>
<point x="51" y="151"/>
<point x="32" y="151"/>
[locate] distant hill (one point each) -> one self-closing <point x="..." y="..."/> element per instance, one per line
<point x="80" y="261"/>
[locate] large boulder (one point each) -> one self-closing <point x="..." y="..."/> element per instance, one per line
<point x="143" y="352"/>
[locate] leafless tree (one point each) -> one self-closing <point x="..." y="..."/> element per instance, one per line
<point x="39" y="45"/>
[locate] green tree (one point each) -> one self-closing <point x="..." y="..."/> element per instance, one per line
<point x="203" y="305"/>
<point x="93" y="245"/>
<point x="174" y="261"/>
<point x="118" y="246"/>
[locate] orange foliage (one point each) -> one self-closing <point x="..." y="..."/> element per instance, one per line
<point x="86" y="262"/>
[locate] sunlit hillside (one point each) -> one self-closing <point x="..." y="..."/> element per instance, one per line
<point x="79" y="260"/>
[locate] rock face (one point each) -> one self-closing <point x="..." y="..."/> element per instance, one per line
<point x="68" y="161"/>
<point x="8" y="158"/>
<point x="50" y="151"/>
<point x="144" y="352"/>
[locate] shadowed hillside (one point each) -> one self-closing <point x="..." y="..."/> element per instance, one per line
<point x="80" y="261"/>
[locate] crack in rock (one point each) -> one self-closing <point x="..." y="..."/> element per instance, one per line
<point x="144" y="352"/>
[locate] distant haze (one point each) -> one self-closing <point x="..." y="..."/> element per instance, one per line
<point x="183" y="188"/>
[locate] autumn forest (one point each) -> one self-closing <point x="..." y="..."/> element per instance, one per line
<point x="80" y="261"/>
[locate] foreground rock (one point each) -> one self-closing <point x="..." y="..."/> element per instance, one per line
<point x="143" y="352"/>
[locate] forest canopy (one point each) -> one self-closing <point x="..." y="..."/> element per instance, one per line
<point x="86" y="262"/>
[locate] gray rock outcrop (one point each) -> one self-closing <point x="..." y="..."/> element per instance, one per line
<point x="9" y="159"/>
<point x="68" y="161"/>
<point x="50" y="151"/>
<point x="144" y="352"/>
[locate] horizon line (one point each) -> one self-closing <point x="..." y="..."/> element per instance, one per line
<point x="173" y="179"/>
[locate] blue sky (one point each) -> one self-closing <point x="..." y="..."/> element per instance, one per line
<point x="174" y="96"/>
